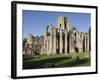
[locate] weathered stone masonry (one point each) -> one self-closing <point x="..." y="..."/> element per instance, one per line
<point x="63" y="39"/>
<point x="58" y="40"/>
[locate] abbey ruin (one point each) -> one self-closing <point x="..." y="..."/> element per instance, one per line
<point x="59" y="40"/>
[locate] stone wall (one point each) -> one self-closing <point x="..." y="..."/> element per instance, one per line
<point x="33" y="45"/>
<point x="58" y="40"/>
<point x="64" y="40"/>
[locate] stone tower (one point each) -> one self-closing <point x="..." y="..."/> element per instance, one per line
<point x="29" y="39"/>
<point x="63" y="23"/>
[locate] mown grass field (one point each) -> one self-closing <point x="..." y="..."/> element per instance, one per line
<point x="56" y="61"/>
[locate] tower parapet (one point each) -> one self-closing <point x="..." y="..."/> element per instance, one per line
<point x="63" y="23"/>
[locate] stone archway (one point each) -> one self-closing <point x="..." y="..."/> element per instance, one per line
<point x="76" y="49"/>
<point x="49" y="28"/>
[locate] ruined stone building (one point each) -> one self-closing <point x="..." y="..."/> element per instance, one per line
<point x="32" y="45"/>
<point x="59" y="40"/>
<point x="63" y="39"/>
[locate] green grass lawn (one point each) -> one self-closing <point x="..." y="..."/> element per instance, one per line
<point x="56" y="60"/>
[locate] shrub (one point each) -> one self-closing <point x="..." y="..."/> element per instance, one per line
<point x="48" y="65"/>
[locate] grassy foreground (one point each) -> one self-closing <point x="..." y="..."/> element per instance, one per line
<point x="56" y="60"/>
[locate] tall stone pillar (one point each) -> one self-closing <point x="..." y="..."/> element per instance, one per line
<point x="81" y="42"/>
<point x="87" y="42"/>
<point x="58" y="40"/>
<point x="77" y="40"/>
<point x="70" y="42"/>
<point x="67" y="27"/>
<point x="54" y="41"/>
<point x="48" y="46"/>
<point x="61" y="41"/>
<point x="66" y="41"/>
<point x="50" y="42"/>
<point x="45" y="45"/>
<point x="61" y="22"/>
